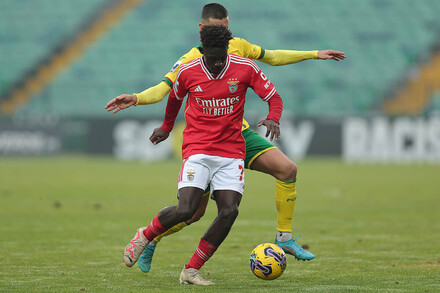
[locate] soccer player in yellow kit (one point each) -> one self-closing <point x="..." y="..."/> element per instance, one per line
<point x="261" y="155"/>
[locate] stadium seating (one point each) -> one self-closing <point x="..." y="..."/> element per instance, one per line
<point x="383" y="40"/>
<point x="30" y="30"/>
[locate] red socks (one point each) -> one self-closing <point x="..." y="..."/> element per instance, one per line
<point x="203" y="252"/>
<point x="154" y="229"/>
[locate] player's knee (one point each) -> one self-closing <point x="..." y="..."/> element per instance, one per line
<point x="228" y="215"/>
<point x="184" y="213"/>
<point x="288" y="171"/>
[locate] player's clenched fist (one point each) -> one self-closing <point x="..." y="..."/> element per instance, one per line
<point x="159" y="135"/>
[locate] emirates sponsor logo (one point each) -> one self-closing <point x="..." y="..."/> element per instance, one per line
<point x="218" y="107"/>
<point x="213" y="102"/>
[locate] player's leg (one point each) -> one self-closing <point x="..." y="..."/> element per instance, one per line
<point x="146" y="258"/>
<point x="277" y="164"/>
<point x="228" y="184"/>
<point x="262" y="156"/>
<point x="227" y="203"/>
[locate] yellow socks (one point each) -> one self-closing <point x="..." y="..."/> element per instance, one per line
<point x="285" y="201"/>
<point x="172" y="230"/>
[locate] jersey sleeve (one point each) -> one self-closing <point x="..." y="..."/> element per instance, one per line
<point x="284" y="57"/>
<point x="174" y="103"/>
<point x="179" y="87"/>
<point x="246" y="49"/>
<point x="170" y="77"/>
<point x="171" y="112"/>
<point x="267" y="92"/>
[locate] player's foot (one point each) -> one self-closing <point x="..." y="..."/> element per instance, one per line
<point x="293" y="248"/>
<point x="192" y="276"/>
<point x="135" y="247"/>
<point x="144" y="261"/>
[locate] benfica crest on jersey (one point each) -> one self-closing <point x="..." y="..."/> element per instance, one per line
<point x="233" y="87"/>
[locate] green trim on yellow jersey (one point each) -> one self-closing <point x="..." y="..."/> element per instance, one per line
<point x="168" y="81"/>
<point x="263" y="51"/>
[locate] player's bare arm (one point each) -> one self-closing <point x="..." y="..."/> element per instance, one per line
<point x="273" y="128"/>
<point x="121" y="102"/>
<point x="159" y="135"/>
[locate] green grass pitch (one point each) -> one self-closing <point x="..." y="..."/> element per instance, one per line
<point x="66" y="220"/>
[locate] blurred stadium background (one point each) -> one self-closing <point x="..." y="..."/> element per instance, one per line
<point x="62" y="61"/>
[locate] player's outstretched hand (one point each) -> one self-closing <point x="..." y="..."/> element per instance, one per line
<point x="121" y="102"/>
<point x="331" y="54"/>
<point x="273" y="128"/>
<point x="159" y="135"/>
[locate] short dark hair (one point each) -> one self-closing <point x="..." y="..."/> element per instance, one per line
<point x="214" y="10"/>
<point x="215" y="36"/>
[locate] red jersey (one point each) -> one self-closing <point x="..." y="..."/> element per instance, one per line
<point x="215" y="106"/>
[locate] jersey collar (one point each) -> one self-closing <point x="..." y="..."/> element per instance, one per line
<point x="209" y="74"/>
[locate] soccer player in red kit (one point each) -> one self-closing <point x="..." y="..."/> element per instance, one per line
<point x="213" y="148"/>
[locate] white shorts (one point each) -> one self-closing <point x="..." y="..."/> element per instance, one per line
<point x="223" y="173"/>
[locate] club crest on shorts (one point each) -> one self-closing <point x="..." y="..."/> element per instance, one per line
<point x="233" y="85"/>
<point x="190" y="175"/>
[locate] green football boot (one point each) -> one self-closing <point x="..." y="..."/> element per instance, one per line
<point x="144" y="261"/>
<point x="293" y="248"/>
